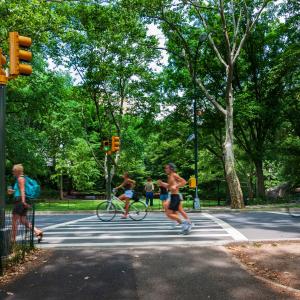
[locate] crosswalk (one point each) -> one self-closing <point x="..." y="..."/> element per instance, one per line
<point x="155" y="230"/>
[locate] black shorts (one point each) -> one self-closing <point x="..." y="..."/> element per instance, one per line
<point x="19" y="209"/>
<point x="174" y="202"/>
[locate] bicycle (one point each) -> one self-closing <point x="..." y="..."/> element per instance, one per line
<point x="108" y="209"/>
<point x="294" y="207"/>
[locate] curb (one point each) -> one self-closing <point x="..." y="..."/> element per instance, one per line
<point x="208" y="210"/>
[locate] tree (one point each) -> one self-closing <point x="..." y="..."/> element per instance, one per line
<point x="111" y="53"/>
<point x="225" y="25"/>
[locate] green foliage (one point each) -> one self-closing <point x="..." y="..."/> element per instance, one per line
<point x="57" y="119"/>
<point x="77" y="162"/>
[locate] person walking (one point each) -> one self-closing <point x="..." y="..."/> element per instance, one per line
<point x="128" y="185"/>
<point x="149" y="189"/>
<point x="20" y="208"/>
<point x="174" y="204"/>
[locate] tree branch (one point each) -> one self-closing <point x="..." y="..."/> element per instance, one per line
<point x="225" y="31"/>
<point x="211" y="41"/>
<point x="249" y="27"/>
<point x="211" y="98"/>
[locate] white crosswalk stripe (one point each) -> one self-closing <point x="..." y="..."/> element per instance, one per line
<point x="155" y="230"/>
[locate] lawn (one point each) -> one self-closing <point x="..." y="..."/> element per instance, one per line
<point x="90" y="205"/>
<point x="82" y="205"/>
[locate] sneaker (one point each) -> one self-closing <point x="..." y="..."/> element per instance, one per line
<point x="190" y="226"/>
<point x="174" y="225"/>
<point x="124" y="217"/>
<point x="184" y="227"/>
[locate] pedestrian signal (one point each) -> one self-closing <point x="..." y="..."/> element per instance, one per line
<point x="192" y="182"/>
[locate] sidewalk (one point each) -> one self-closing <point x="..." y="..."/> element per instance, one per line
<point x="183" y="273"/>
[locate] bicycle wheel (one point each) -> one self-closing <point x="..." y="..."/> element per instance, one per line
<point x="138" y="211"/>
<point x="294" y="208"/>
<point x="106" y="211"/>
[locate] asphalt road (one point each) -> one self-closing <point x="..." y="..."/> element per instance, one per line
<point x="151" y="274"/>
<point x="210" y="229"/>
<point x="147" y="260"/>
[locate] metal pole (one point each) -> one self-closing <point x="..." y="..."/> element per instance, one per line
<point x="2" y="154"/>
<point x="196" y="200"/>
<point x="108" y="185"/>
<point x="32" y="226"/>
<point x="2" y="173"/>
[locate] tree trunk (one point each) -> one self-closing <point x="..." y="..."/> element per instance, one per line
<point x="250" y="188"/>
<point x="232" y="179"/>
<point x="260" y="180"/>
<point x="107" y="172"/>
<point x="61" y="187"/>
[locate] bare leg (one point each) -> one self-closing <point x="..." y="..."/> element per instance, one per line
<point x="183" y="213"/>
<point x="27" y="224"/>
<point x="127" y="206"/>
<point x="166" y="205"/>
<point x="170" y="213"/>
<point x="127" y="202"/>
<point x="173" y="216"/>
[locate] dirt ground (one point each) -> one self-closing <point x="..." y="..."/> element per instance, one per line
<point x="276" y="261"/>
<point x="31" y="261"/>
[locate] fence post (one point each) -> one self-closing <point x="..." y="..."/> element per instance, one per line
<point x="2" y="170"/>
<point x="32" y="225"/>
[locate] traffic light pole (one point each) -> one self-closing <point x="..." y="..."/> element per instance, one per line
<point x="2" y="154"/>
<point x="108" y="182"/>
<point x="196" y="199"/>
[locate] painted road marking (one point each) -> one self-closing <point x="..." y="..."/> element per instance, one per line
<point x="91" y="232"/>
<point x="235" y="234"/>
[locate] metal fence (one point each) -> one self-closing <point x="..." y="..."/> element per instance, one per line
<point x="14" y="251"/>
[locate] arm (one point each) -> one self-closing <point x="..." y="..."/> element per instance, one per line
<point x="163" y="184"/>
<point x="120" y="186"/>
<point x="21" y="182"/>
<point x="181" y="182"/>
<point x="132" y="182"/>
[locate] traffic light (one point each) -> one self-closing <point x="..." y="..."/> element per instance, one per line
<point x="115" y="144"/>
<point x="2" y="62"/>
<point x="106" y="145"/>
<point x="18" y="55"/>
<point x="192" y="182"/>
<point x="3" y="78"/>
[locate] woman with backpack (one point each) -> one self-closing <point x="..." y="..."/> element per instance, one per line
<point x="19" y="212"/>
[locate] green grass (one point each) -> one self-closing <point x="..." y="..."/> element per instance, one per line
<point x="64" y="205"/>
<point x="85" y="205"/>
<point x="90" y="205"/>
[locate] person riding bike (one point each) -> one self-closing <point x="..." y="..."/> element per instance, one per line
<point x="128" y="185"/>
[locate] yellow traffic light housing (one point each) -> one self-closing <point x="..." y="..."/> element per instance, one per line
<point x="192" y="182"/>
<point x="106" y="145"/>
<point x="18" y="55"/>
<point x="3" y="78"/>
<point x="115" y="144"/>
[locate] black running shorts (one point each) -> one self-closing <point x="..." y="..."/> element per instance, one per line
<point x="174" y="202"/>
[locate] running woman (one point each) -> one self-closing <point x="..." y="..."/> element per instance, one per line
<point x="174" y="205"/>
<point x="128" y="185"/>
<point x="163" y="194"/>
